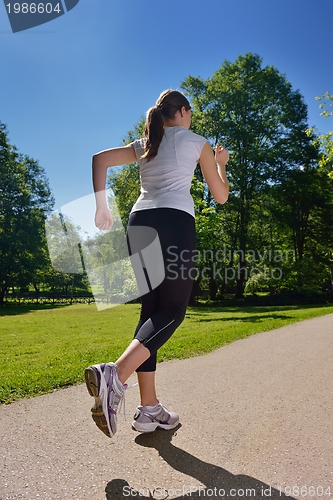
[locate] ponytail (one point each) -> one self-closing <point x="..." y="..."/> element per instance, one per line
<point x="168" y="103"/>
<point x="153" y="132"/>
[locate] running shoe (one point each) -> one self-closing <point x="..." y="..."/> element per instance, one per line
<point x="103" y="384"/>
<point x="149" y="418"/>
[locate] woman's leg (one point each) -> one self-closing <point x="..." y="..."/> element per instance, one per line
<point x="147" y="366"/>
<point x="147" y="388"/>
<point x="135" y="354"/>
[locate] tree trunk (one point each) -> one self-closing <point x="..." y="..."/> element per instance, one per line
<point x="213" y="287"/>
<point x="240" y="280"/>
<point x="194" y="291"/>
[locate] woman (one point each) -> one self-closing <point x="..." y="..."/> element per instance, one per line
<point x="167" y="155"/>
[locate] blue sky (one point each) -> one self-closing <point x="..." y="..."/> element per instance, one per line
<point x="76" y="85"/>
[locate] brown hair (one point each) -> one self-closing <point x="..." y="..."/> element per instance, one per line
<point x="166" y="107"/>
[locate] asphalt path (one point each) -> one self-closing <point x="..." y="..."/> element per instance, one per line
<point x="256" y="422"/>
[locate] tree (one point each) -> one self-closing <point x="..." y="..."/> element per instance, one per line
<point x="304" y="213"/>
<point x="25" y="199"/>
<point x="325" y="141"/>
<point x="254" y="111"/>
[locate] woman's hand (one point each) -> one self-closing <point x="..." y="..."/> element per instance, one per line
<point x="221" y="155"/>
<point x="103" y="219"/>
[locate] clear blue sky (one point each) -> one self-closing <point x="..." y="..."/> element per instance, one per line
<point x="76" y="85"/>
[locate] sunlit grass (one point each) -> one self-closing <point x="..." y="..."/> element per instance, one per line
<point x="45" y="348"/>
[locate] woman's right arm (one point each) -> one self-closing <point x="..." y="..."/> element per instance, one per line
<point x="100" y="163"/>
<point x="216" y="178"/>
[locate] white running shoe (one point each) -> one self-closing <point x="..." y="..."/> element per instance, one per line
<point x="103" y="384"/>
<point x="149" y="418"/>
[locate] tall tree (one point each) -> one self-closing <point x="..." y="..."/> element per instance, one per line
<point x="25" y="199"/>
<point x="304" y="214"/>
<point x="254" y="111"/>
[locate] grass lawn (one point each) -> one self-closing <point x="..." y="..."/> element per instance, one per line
<point x="44" y="348"/>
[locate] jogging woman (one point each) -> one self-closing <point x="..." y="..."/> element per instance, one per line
<point x="167" y="155"/>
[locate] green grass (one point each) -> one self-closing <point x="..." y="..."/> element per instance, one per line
<point x="45" y="348"/>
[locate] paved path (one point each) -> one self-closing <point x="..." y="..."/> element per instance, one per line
<point x="256" y="419"/>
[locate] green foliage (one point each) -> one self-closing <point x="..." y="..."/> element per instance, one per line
<point x="126" y="186"/>
<point x="326" y="103"/>
<point x="65" y="273"/>
<point x="25" y="200"/>
<point x="125" y="182"/>
<point x="325" y="141"/>
<point x="256" y="114"/>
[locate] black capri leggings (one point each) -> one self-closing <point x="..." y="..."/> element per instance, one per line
<point x="163" y="307"/>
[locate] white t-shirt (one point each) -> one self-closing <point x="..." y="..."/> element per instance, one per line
<point x="166" y="179"/>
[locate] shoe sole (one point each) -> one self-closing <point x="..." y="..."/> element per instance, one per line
<point x="153" y="426"/>
<point x="92" y="382"/>
<point x="97" y="412"/>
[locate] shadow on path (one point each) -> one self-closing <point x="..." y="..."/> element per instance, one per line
<point x="219" y="483"/>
